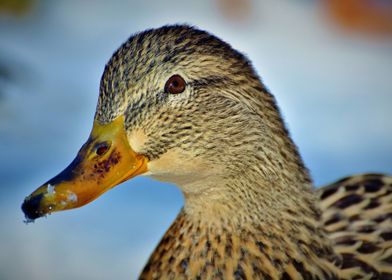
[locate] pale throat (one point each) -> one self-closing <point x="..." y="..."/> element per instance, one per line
<point x="212" y="194"/>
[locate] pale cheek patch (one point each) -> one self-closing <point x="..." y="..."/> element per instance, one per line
<point x="176" y="167"/>
<point x="137" y="138"/>
<point x="166" y="164"/>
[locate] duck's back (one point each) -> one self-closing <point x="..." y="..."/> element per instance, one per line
<point x="357" y="216"/>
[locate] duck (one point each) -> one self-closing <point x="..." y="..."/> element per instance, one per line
<point x="180" y="105"/>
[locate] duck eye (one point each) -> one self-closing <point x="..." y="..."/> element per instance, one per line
<point x="175" y="84"/>
<point x="102" y="148"/>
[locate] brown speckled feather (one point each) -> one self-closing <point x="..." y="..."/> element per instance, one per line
<point x="191" y="251"/>
<point x="357" y="217"/>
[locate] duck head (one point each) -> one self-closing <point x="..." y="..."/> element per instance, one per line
<point x="182" y="106"/>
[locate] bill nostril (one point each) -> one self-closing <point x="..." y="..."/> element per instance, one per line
<point x="102" y="148"/>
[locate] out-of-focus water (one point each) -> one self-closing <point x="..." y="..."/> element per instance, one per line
<point x="334" y="90"/>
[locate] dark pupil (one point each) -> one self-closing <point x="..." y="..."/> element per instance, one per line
<point x="102" y="149"/>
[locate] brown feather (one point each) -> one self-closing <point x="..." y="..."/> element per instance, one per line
<point x="250" y="208"/>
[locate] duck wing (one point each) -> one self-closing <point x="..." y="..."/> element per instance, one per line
<point x="357" y="217"/>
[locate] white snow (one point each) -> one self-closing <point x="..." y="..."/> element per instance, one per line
<point x="50" y="189"/>
<point x="28" y="221"/>
<point x="71" y="197"/>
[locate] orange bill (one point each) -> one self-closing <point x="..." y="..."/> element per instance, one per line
<point x="104" y="161"/>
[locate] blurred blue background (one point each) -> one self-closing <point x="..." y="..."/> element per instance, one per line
<point x="333" y="86"/>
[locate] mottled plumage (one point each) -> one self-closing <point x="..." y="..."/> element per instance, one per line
<point x="357" y="217"/>
<point x="255" y="217"/>
<point x="251" y="211"/>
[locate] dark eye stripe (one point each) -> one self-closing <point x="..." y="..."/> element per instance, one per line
<point x="211" y="81"/>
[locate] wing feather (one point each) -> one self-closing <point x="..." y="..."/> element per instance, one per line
<point x="357" y="217"/>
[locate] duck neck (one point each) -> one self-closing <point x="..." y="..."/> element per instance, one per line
<point x="247" y="198"/>
<point x="244" y="234"/>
